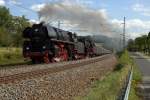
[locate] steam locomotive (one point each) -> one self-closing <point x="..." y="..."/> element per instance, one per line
<point x="44" y="43"/>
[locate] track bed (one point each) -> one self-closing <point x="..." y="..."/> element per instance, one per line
<point x="60" y="81"/>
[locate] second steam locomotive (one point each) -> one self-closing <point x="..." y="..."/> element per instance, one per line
<point x="44" y="43"/>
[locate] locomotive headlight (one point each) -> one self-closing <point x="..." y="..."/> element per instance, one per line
<point x="44" y="47"/>
<point x="27" y="48"/>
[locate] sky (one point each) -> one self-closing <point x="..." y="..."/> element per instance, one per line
<point x="137" y="12"/>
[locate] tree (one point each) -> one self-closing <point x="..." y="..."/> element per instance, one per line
<point x="11" y="28"/>
<point x="148" y="42"/>
<point x="5" y="38"/>
<point x="20" y="23"/>
<point x="5" y="17"/>
<point x="131" y="45"/>
<point x="142" y="43"/>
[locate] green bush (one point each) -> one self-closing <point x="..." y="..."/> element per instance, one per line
<point x="8" y="56"/>
<point x="123" y="60"/>
<point x="118" y="67"/>
<point x="11" y="55"/>
<point x="1" y="57"/>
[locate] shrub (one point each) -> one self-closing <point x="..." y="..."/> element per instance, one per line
<point x="11" y="55"/>
<point x="118" y="67"/>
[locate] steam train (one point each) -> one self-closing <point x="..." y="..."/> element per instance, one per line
<point x="44" y="43"/>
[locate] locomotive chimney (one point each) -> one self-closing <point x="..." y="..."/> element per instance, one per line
<point x="42" y="23"/>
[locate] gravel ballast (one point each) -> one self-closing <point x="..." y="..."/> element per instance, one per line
<point x="63" y="85"/>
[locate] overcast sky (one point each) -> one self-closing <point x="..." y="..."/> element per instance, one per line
<point x="137" y="12"/>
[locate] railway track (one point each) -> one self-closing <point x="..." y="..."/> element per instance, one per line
<point x="41" y="72"/>
<point x="14" y="65"/>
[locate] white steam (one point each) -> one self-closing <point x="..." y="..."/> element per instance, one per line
<point x="95" y="22"/>
<point x="78" y="16"/>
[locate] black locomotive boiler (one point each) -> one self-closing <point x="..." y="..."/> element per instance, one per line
<point x="44" y="43"/>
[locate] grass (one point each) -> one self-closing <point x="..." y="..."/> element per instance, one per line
<point x="11" y="56"/>
<point x="109" y="88"/>
<point x="137" y="77"/>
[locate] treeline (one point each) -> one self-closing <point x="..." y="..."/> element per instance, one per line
<point x="11" y="28"/>
<point x="141" y="44"/>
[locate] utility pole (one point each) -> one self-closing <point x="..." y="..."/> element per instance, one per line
<point x="59" y="23"/>
<point x="120" y="42"/>
<point x="124" y="32"/>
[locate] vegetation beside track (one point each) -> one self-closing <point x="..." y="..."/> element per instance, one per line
<point x="109" y="88"/>
<point x="137" y="77"/>
<point x="11" y="56"/>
